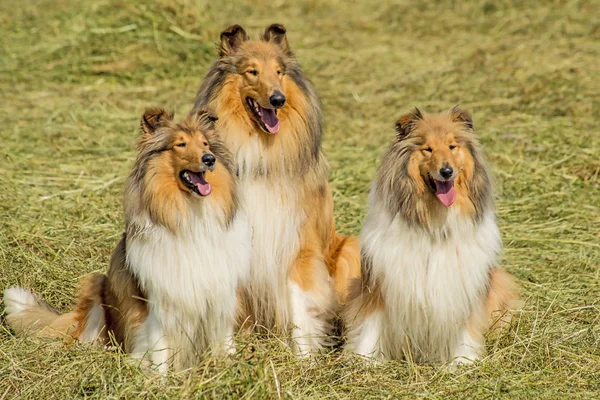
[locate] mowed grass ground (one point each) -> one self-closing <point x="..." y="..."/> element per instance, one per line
<point x="75" y="77"/>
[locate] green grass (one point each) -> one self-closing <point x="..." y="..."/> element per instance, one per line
<point x="76" y="75"/>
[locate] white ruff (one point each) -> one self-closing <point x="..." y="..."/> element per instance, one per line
<point x="275" y="213"/>
<point x="431" y="283"/>
<point x="191" y="280"/>
<point x="275" y="221"/>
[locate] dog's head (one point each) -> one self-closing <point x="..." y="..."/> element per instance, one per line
<point x="261" y="66"/>
<point x="180" y="152"/>
<point x="442" y="158"/>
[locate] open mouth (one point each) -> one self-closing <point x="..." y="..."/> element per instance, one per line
<point x="444" y="190"/>
<point x="267" y="116"/>
<point x="195" y="182"/>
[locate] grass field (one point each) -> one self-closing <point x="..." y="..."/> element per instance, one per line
<point x="76" y="75"/>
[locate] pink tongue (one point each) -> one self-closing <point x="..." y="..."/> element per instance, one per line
<point x="445" y="192"/>
<point x="203" y="187"/>
<point x="270" y="119"/>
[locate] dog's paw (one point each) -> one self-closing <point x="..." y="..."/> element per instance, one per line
<point x="460" y="361"/>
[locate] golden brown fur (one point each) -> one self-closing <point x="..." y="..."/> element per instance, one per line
<point x="343" y="262"/>
<point x="154" y="190"/>
<point x="289" y="162"/>
<point x="43" y="320"/>
<point x="429" y="259"/>
<point x="413" y="197"/>
<point x="502" y="297"/>
<point x="154" y="184"/>
<point x="295" y="150"/>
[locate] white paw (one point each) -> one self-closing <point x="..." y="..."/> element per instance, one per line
<point x="460" y="361"/>
<point x="230" y="349"/>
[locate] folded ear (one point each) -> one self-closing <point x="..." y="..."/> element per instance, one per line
<point x="206" y="116"/>
<point x="231" y="38"/>
<point x="405" y="123"/>
<point x="462" y="116"/>
<point x="275" y="34"/>
<point x="153" y="118"/>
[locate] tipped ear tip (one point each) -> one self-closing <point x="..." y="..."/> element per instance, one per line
<point x="463" y="115"/>
<point x="230" y="39"/>
<point x="458" y="110"/>
<point x="276" y="33"/>
<point x="279" y="28"/>
<point x="232" y="30"/>
<point x="405" y="123"/>
<point x="150" y="112"/>
<point x="153" y="117"/>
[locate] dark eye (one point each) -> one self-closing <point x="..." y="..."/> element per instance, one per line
<point x="204" y="143"/>
<point x="180" y="144"/>
<point x="253" y="72"/>
<point x="429" y="149"/>
<point x="452" y="147"/>
<point x="278" y="72"/>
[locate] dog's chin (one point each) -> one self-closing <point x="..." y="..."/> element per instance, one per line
<point x="265" y="118"/>
<point x="195" y="182"/>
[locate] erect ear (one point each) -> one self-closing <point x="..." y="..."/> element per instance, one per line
<point x="275" y="34"/>
<point x="153" y="118"/>
<point x="462" y="116"/>
<point x="405" y="123"/>
<point x="206" y="116"/>
<point x="231" y="38"/>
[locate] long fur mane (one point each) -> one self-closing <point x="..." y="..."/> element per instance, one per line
<point x="301" y="138"/>
<point x="398" y="189"/>
<point x="156" y="196"/>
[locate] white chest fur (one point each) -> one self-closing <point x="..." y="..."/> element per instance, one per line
<point x="191" y="277"/>
<point x="429" y="284"/>
<point x="275" y="220"/>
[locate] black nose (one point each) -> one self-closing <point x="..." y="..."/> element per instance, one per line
<point x="277" y="100"/>
<point x="208" y="160"/>
<point x="446" y="171"/>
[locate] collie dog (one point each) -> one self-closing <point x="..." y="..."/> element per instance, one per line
<point x="270" y="118"/>
<point x="171" y="290"/>
<point x="430" y="284"/>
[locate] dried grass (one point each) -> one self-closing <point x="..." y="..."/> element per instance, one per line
<point x="75" y="76"/>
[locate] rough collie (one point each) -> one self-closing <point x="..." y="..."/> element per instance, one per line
<point x="270" y="118"/>
<point x="170" y="292"/>
<point x="430" y="284"/>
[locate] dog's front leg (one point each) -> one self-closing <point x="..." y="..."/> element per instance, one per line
<point x="311" y="301"/>
<point x="365" y="336"/>
<point x="227" y="344"/>
<point x="151" y="344"/>
<point x="470" y="346"/>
